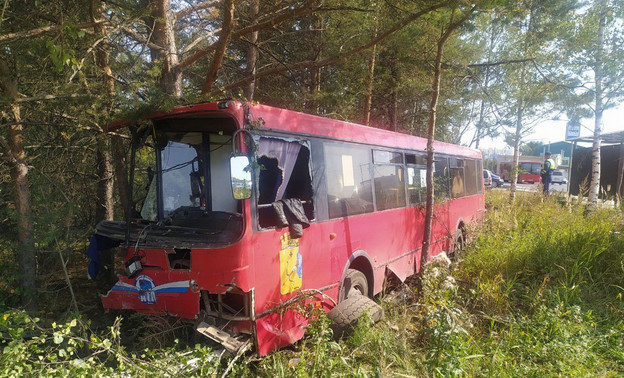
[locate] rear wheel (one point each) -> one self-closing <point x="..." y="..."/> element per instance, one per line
<point x="354" y="283"/>
<point x="346" y="314"/>
<point x="459" y="244"/>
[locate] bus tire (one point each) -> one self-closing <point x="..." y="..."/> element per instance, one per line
<point x="345" y="315"/>
<point x="459" y="244"/>
<point x="354" y="283"/>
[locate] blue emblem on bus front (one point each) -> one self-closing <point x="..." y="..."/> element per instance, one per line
<point x="146" y="289"/>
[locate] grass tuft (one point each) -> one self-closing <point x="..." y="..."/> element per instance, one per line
<point x="538" y="292"/>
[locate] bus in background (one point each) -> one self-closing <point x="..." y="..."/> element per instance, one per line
<point x="528" y="171"/>
<point x="246" y="210"/>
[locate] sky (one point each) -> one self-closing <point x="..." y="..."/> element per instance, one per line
<point x="551" y="131"/>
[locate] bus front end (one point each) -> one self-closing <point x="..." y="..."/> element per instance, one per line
<point x="184" y="245"/>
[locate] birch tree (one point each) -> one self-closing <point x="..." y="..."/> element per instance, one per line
<point x="596" y="75"/>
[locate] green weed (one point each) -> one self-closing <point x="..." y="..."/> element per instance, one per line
<point x="538" y="292"/>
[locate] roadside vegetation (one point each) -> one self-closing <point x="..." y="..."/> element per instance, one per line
<point x="537" y="292"/>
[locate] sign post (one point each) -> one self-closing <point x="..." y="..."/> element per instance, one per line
<point x="573" y="130"/>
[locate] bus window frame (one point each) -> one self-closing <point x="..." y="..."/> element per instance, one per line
<point x="306" y="142"/>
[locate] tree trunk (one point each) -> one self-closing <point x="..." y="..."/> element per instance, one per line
<point x="105" y="187"/>
<point x="433" y="109"/>
<point x="594" y="186"/>
<point x="105" y="203"/>
<point x="163" y="36"/>
<point x="312" y="104"/>
<point x="117" y="146"/>
<point x="516" y="156"/>
<point x="119" y="157"/>
<point x="19" y="174"/>
<point x="224" y="37"/>
<point x="252" y="51"/>
<point x="368" y="101"/>
<point x="486" y="83"/>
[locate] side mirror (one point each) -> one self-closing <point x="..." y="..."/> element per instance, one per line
<point x="240" y="175"/>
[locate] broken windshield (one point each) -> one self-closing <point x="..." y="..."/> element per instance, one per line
<point x="194" y="179"/>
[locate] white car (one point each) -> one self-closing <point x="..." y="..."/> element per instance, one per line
<point x="558" y="177"/>
<point x="487" y="178"/>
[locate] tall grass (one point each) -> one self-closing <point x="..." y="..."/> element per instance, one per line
<point x="539" y="293"/>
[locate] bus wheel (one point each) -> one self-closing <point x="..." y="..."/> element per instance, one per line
<point x="346" y="314"/>
<point x="354" y="284"/>
<point x="460" y="243"/>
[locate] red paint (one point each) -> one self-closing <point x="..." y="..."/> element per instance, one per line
<point x="390" y="240"/>
<point x="528" y="172"/>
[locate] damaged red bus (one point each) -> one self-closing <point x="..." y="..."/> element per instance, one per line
<point x="244" y="210"/>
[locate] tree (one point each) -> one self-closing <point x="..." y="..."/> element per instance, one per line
<point x="12" y="152"/>
<point x="435" y="92"/>
<point x="595" y="73"/>
<point x="526" y="50"/>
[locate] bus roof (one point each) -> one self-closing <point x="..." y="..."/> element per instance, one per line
<point x="271" y="118"/>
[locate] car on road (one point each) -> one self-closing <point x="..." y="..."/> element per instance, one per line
<point x="491" y="180"/>
<point x="558" y="177"/>
<point x="497" y="181"/>
<point x="487" y="178"/>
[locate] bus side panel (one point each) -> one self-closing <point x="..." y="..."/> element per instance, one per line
<point x="468" y="209"/>
<point x="283" y="268"/>
<point x="216" y="270"/>
<point x="440" y="231"/>
<point x="287" y="267"/>
<point x="279" y="329"/>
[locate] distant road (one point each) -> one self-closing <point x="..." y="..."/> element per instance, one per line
<point x="533" y="187"/>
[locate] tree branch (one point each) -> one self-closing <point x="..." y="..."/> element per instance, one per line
<point x="221" y="45"/>
<point x="139" y="38"/>
<point x="194" y="8"/>
<point x="41" y="98"/>
<point x="500" y="63"/>
<point x="339" y="58"/>
<point x="198" y="40"/>
<point x="278" y="18"/>
<point x="10" y="37"/>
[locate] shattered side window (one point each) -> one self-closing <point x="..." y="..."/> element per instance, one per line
<point x="284" y="174"/>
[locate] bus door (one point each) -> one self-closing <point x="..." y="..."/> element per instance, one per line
<point x="283" y="241"/>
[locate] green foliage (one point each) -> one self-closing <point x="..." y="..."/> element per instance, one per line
<point x="72" y="349"/>
<point x="538" y="292"/>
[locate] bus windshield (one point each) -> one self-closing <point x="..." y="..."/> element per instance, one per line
<point x="194" y="172"/>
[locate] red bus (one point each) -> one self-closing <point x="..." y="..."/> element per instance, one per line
<point x="211" y="242"/>
<point x="528" y="171"/>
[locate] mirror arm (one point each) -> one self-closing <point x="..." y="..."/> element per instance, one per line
<point x="236" y="138"/>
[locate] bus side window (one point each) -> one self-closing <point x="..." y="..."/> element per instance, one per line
<point x="457" y="178"/>
<point x="479" y="177"/>
<point x="349" y="189"/>
<point x="441" y="178"/>
<point x="284" y="173"/>
<point x="389" y="179"/>
<point x="416" y="178"/>
<point x="471" y="176"/>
